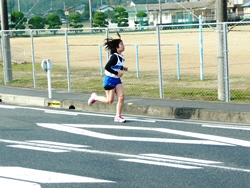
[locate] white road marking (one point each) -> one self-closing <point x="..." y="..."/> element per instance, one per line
<point x="61" y="112"/>
<point x="10" y="183"/>
<point x="58" y="143"/>
<point x="7" y="106"/>
<point x="221" y="139"/>
<point x="189" y="162"/>
<point x="181" y="158"/>
<point x="160" y="163"/>
<point x="43" y="145"/>
<point x="64" y="112"/>
<point x="38" y="148"/>
<point x="183" y="161"/>
<point x="72" y="129"/>
<point x="150" y="157"/>
<point x="235" y="127"/>
<point x="41" y="176"/>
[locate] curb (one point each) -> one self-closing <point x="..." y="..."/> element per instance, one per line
<point x="131" y="109"/>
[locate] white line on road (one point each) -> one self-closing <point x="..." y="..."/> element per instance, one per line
<point x="7" y="107"/>
<point x="161" y="163"/>
<point x="38" y="148"/>
<point x="41" y="176"/>
<point x="71" y="129"/>
<point x="43" y="145"/>
<point x="57" y="143"/>
<point x="151" y="157"/>
<point x="215" y="138"/>
<point x="61" y="112"/>
<point x="181" y="158"/>
<point x="11" y="183"/>
<point x="235" y="127"/>
<point x="162" y="159"/>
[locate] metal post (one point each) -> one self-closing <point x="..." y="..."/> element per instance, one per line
<point x="159" y="62"/>
<point x="107" y="36"/>
<point x="18" y="6"/>
<point x="160" y="11"/>
<point x="101" y="68"/>
<point x="226" y="67"/>
<point x="137" y="61"/>
<point x="68" y="59"/>
<point x="33" y="58"/>
<point x="6" y="41"/>
<point x="178" y="61"/>
<point x="90" y="15"/>
<point x="4" y="72"/>
<point x="201" y="50"/>
<point x="49" y="78"/>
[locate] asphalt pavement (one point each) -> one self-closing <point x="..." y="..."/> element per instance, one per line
<point x="150" y="107"/>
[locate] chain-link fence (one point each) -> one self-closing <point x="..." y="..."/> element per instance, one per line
<point x="167" y="61"/>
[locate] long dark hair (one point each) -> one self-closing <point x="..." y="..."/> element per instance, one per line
<point x="111" y="44"/>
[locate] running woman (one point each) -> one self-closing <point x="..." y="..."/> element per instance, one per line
<point x="112" y="80"/>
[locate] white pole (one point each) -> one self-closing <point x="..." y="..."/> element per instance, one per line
<point x="226" y="67"/>
<point x="159" y="63"/>
<point x="49" y="78"/>
<point x="33" y="58"/>
<point x="68" y="59"/>
<point x="201" y="50"/>
<point x="19" y="9"/>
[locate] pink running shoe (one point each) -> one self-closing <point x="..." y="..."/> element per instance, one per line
<point x="92" y="99"/>
<point x="119" y="119"/>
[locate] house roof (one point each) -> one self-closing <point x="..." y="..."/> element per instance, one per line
<point x="246" y="4"/>
<point x="104" y="7"/>
<point x="177" y="6"/>
<point x="80" y="7"/>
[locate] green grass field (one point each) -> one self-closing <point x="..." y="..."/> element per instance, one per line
<point x="147" y="85"/>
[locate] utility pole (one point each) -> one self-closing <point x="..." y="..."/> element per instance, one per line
<point x="221" y="6"/>
<point x="160" y="11"/>
<point x="90" y="14"/>
<point x="19" y="9"/>
<point x="5" y="42"/>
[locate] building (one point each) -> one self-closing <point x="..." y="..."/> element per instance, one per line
<point x="183" y="11"/>
<point x="174" y="12"/>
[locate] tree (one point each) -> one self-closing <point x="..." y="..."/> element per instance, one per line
<point x="17" y="21"/>
<point x="54" y="22"/>
<point x="121" y="17"/>
<point x="60" y="13"/>
<point x="36" y="22"/>
<point x="141" y="16"/>
<point x="75" y="21"/>
<point x="100" y="20"/>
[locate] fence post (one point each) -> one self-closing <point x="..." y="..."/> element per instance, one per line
<point x="137" y="61"/>
<point x="101" y="68"/>
<point x="67" y="59"/>
<point x="178" y="62"/>
<point x="107" y="35"/>
<point x="226" y="67"/>
<point x="4" y="72"/>
<point x="159" y="62"/>
<point x="201" y="50"/>
<point x="33" y="58"/>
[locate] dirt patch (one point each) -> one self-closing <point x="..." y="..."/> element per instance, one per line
<point x="85" y="50"/>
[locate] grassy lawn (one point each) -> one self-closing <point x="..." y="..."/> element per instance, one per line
<point x="147" y="85"/>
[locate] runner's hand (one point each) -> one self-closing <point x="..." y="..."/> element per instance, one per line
<point x="119" y="74"/>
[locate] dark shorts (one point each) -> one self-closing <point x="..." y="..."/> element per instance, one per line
<point x="110" y="82"/>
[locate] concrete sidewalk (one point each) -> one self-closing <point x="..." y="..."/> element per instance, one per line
<point x="163" y="108"/>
